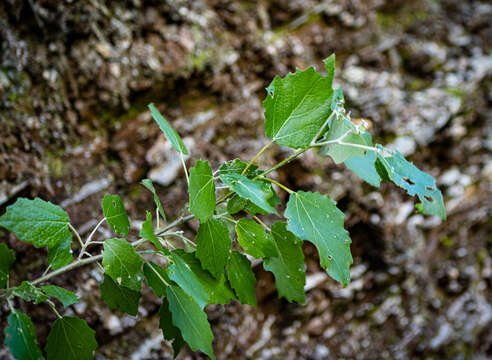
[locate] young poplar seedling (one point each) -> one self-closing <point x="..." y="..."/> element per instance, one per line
<point x="302" y="112"/>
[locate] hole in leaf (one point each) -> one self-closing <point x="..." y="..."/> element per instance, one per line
<point x="409" y="181"/>
<point x="114" y="203"/>
<point x="430" y="188"/>
<point x="428" y="198"/>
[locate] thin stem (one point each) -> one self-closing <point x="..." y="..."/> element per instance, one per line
<point x="76" y="264"/>
<point x="47" y="269"/>
<point x="226" y="218"/>
<point x="327" y="121"/>
<point x="257" y="156"/>
<point x="89" y="238"/>
<point x="278" y="184"/>
<point x="261" y="223"/>
<point x="12" y="309"/>
<point x="157" y="217"/>
<point x="184" y="167"/>
<point x="176" y="223"/>
<point x="71" y="266"/>
<point x="189" y="241"/>
<point x="76" y="234"/>
<point x="285" y="161"/>
<point x="52" y="306"/>
<point x="157" y="274"/>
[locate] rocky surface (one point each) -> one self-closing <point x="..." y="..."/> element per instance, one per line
<point x="75" y="80"/>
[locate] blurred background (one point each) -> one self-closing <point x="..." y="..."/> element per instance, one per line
<point x="75" y="80"/>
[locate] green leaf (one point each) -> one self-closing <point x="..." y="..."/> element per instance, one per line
<point x="340" y="152"/>
<point x="180" y="272"/>
<point x="217" y="288"/>
<point x="119" y="297"/>
<point x="191" y="320"/>
<point x="38" y="222"/>
<point x="237" y="166"/>
<point x="150" y="186"/>
<point x="330" y="68"/>
<point x="186" y="271"/>
<point x="254" y="240"/>
<point x="364" y="166"/>
<point x="71" y="338"/>
<point x="202" y="191"/>
<point x="20" y="337"/>
<point x="61" y="254"/>
<point x="122" y="263"/>
<point x="236" y="204"/>
<point x="212" y="246"/>
<point x="256" y="191"/>
<point x="169" y="331"/>
<point x="156" y="278"/>
<point x="416" y="182"/>
<point x="29" y="292"/>
<point x="315" y="217"/>
<point x="241" y="277"/>
<point x="66" y="297"/>
<point x="7" y="258"/>
<point x="296" y="107"/>
<point x="288" y="265"/>
<point x="147" y="232"/>
<point x="273" y="200"/>
<point x="170" y="133"/>
<point x="115" y="214"/>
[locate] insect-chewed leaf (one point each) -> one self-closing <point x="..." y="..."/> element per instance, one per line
<point x="202" y="191"/>
<point x="297" y="105"/>
<point x="122" y="263"/>
<point x="254" y="240"/>
<point x="169" y="331"/>
<point x="156" y="278"/>
<point x="7" y="258"/>
<point x="241" y="277"/>
<point x="364" y="166"/>
<point x="341" y="128"/>
<point x="150" y="186"/>
<point x="115" y="214"/>
<point x="29" y="292"/>
<point x="256" y="191"/>
<point x="212" y="246"/>
<point x="416" y="182"/>
<point x="119" y="297"/>
<point x="65" y="296"/>
<point x="20" y="337"/>
<point x="147" y="232"/>
<point x="170" y="133"/>
<point x="38" y="222"/>
<point x="315" y="217"/>
<point x="70" y="338"/>
<point x="189" y="317"/>
<point x="288" y="265"/>
<point x="237" y="166"/>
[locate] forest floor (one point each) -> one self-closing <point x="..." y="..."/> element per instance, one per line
<point x="75" y="81"/>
